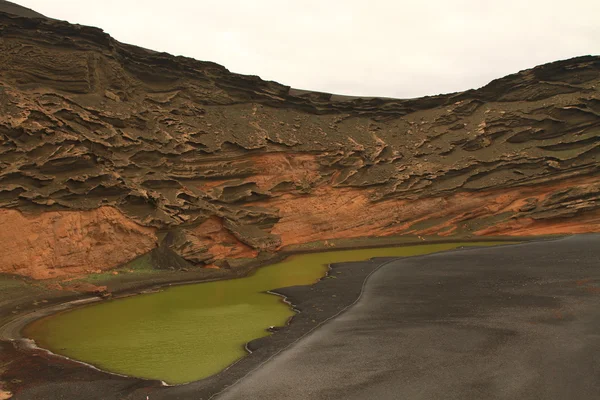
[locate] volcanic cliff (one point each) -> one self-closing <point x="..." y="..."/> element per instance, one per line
<point x="109" y="151"/>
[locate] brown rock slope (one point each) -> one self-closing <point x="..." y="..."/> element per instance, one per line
<point x="107" y="150"/>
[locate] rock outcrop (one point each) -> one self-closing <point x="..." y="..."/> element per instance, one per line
<point x="124" y="145"/>
<point x="57" y="244"/>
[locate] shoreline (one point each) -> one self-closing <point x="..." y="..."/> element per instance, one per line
<point x="442" y="322"/>
<point x="298" y="298"/>
<point x="8" y="329"/>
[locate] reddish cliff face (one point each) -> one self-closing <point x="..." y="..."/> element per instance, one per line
<point x="343" y="213"/>
<point x="62" y="243"/>
<point x="117" y="142"/>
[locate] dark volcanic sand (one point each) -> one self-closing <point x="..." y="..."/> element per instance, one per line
<point x="517" y="322"/>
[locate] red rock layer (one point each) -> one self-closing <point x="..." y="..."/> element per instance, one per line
<point x="61" y="243"/>
<point x="334" y="213"/>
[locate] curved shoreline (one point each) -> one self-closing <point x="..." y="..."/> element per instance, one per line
<point x="321" y="323"/>
<point x="447" y="322"/>
<point x="11" y="330"/>
<point x="296" y="297"/>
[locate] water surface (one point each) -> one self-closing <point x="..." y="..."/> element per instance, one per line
<point x="189" y="332"/>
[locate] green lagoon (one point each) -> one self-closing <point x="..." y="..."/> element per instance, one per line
<point x="186" y="333"/>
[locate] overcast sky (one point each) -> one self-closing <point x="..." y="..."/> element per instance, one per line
<point x="390" y="48"/>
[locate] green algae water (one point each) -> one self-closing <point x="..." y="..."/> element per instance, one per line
<point x="186" y="333"/>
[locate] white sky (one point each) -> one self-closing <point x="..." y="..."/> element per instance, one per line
<point x="355" y="47"/>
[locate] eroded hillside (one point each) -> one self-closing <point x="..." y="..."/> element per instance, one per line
<point x="108" y="151"/>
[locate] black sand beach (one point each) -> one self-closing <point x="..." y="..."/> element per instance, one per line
<point x="516" y="322"/>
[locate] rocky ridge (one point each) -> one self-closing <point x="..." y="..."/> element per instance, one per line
<point x="109" y="151"/>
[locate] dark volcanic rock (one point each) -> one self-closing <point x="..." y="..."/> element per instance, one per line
<point x="232" y="165"/>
